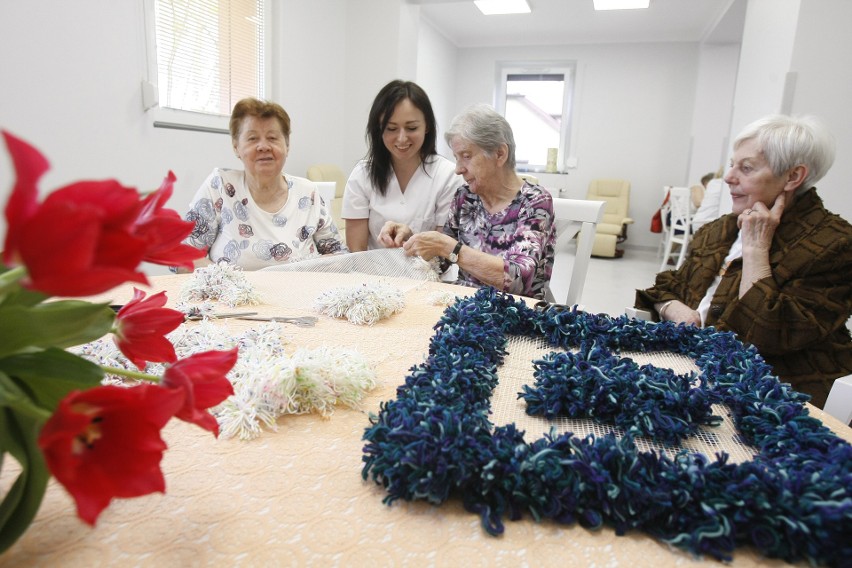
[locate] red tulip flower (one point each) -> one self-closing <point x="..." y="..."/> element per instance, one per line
<point x="105" y="442"/>
<point x="163" y="230"/>
<point x="78" y="242"/>
<point x="141" y="328"/>
<point x="202" y="377"/>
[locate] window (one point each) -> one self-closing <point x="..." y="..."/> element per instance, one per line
<point x="207" y="55"/>
<point x="536" y="100"/>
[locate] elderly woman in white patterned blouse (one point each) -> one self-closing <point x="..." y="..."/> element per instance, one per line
<point x="260" y="216"/>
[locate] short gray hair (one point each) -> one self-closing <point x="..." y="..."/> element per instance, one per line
<point x="482" y="125"/>
<point x="788" y="141"/>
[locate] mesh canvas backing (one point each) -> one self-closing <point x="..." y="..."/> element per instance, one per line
<point x="379" y="262"/>
<point x="517" y="370"/>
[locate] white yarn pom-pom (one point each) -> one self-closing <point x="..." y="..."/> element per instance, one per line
<point x="222" y="282"/>
<point x="442" y="298"/>
<point x="268" y="383"/>
<point x="429" y="270"/>
<point x="363" y="305"/>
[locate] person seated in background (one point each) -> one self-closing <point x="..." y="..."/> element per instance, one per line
<point x="777" y="271"/>
<point x="260" y="216"/>
<point x="402" y="179"/>
<point x="696" y="192"/>
<point x="500" y="230"/>
<point x="709" y="209"/>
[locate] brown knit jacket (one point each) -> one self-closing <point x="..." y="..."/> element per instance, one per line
<point x="797" y="317"/>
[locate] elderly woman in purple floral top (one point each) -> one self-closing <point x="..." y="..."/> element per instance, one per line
<point x="500" y="229"/>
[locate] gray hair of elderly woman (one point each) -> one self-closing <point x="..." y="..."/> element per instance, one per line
<point x="485" y="127"/>
<point x="788" y="141"/>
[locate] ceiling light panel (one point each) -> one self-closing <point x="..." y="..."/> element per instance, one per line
<point x="491" y="7"/>
<point x="621" y="4"/>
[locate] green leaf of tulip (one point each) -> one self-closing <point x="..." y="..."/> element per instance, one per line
<point x="52" y="324"/>
<point x="18" y="436"/>
<point x="49" y="375"/>
<point x="22" y="297"/>
<point x="15" y="397"/>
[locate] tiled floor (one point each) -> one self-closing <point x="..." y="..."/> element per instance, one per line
<point x="611" y="283"/>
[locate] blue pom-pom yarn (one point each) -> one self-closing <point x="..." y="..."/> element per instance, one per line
<point x="792" y="501"/>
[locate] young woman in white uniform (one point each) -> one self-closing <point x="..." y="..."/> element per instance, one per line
<point x="403" y="180"/>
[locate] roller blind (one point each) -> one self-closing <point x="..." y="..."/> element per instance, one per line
<point x="209" y="53"/>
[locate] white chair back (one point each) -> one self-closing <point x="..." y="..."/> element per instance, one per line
<point x="664" y="212"/>
<point x="574" y="218"/>
<point x="679" y="230"/>
<point x="839" y="401"/>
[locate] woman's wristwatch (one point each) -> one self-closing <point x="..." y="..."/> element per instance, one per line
<point x="454" y="256"/>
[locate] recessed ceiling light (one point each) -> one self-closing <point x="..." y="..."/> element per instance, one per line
<point x="621" y="4"/>
<point x="491" y="7"/>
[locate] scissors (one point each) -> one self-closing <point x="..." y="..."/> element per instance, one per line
<point x="197" y="316"/>
<point x="194" y="314"/>
<point x="300" y="321"/>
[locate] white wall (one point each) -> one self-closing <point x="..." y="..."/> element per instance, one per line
<point x="822" y="62"/>
<point x="633" y="106"/>
<point x="72" y="87"/>
<point x="332" y="57"/>
<point x="308" y="79"/>
<point x="436" y="73"/>
<point x="381" y="39"/>
<point x="765" y="56"/>
<point x="711" y="117"/>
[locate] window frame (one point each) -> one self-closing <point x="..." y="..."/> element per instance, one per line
<point x="163" y="117"/>
<point x="566" y="68"/>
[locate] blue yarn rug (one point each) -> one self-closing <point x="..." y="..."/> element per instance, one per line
<point x="435" y="441"/>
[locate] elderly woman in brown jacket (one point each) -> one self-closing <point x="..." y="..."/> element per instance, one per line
<point x="778" y="270"/>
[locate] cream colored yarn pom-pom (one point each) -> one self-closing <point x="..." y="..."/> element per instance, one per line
<point x="364" y="304"/>
<point x="268" y="382"/>
<point x="222" y="283"/>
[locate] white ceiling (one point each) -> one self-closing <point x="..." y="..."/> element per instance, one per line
<point x="560" y="22"/>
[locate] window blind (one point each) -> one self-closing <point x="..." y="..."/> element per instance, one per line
<point x="209" y="53"/>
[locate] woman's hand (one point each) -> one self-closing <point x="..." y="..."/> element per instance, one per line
<point x="394" y="235"/>
<point x="429" y="244"/>
<point x="757" y="227"/>
<point x="678" y="312"/>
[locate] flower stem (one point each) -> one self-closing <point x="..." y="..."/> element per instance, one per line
<point x="131" y="374"/>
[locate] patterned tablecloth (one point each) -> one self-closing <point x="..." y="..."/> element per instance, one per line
<point x="295" y="496"/>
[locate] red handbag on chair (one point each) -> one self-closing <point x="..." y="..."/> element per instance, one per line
<point x="657" y="219"/>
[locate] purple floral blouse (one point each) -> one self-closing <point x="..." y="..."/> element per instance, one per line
<point x="522" y="234"/>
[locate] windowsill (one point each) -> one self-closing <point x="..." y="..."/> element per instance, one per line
<point x="186" y="120"/>
<point x="541" y="171"/>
